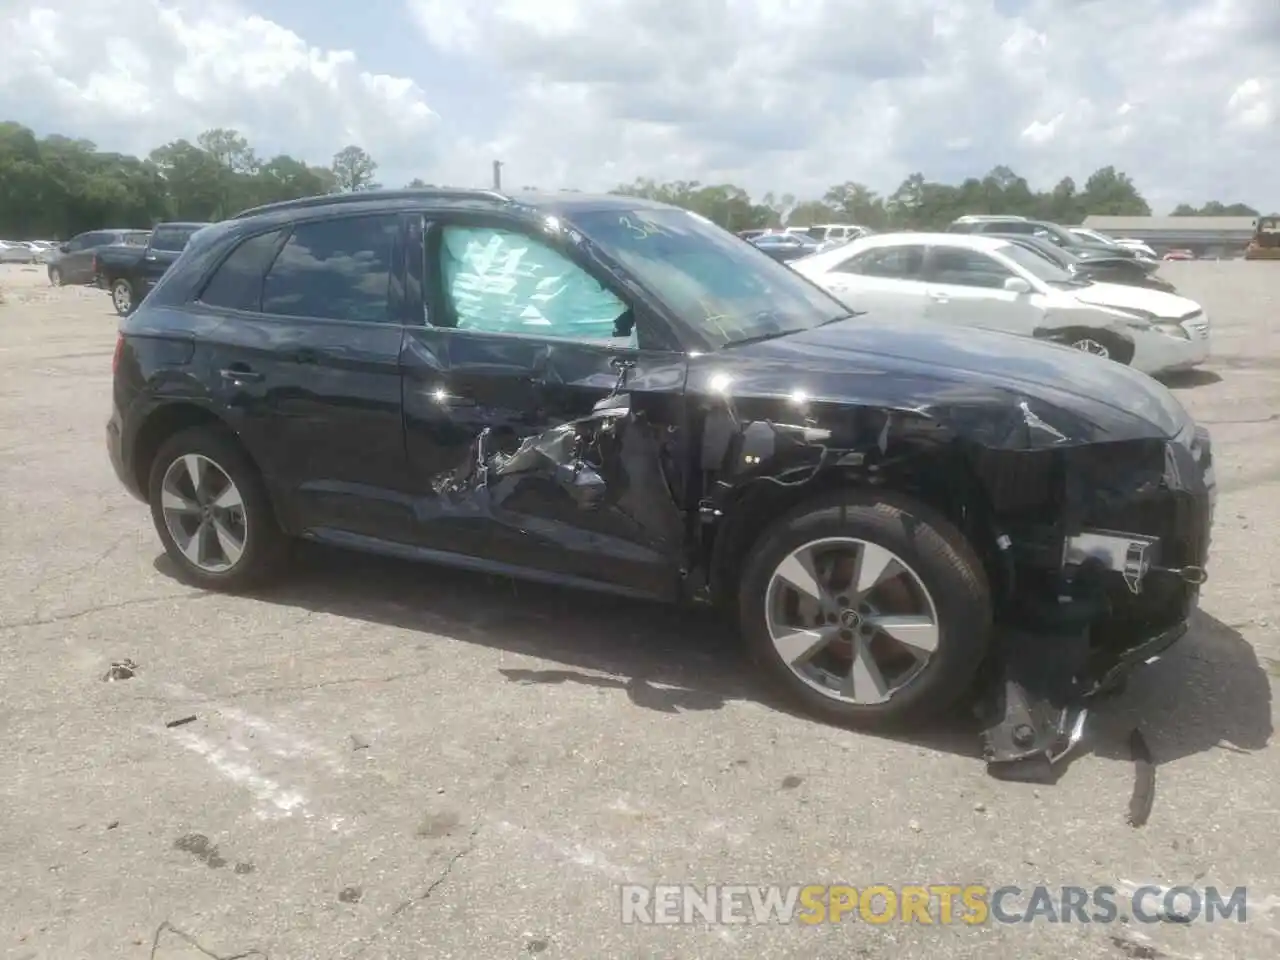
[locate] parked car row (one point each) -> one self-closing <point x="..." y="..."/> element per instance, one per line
<point x="606" y="392"/>
<point x="72" y="261"/>
<point x="25" y="251"/>
<point x="128" y="271"/>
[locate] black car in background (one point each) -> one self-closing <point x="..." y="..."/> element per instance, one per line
<point x="615" y="394"/>
<point x="128" y="271"/>
<point x="1090" y="265"/>
<point x="73" y="261"/>
<point x="1055" y="234"/>
<point x="785" y="247"/>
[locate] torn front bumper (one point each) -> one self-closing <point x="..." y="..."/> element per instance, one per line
<point x="1127" y="579"/>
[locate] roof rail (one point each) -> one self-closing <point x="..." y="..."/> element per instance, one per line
<point x="361" y="196"/>
<point x="988" y="217"/>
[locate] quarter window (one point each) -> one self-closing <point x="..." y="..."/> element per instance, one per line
<point x="500" y="281"/>
<point x="237" y="284"/>
<point x="336" y="269"/>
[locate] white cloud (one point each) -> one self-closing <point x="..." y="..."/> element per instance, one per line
<point x="794" y="96"/>
<point x="789" y="95"/>
<point x="131" y="74"/>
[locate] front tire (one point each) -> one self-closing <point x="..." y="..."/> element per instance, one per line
<point x="55" y="276"/>
<point x="212" y="512"/>
<point x="868" y="610"/>
<point x="122" y="297"/>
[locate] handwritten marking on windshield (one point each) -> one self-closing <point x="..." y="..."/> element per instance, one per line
<point x="640" y="229"/>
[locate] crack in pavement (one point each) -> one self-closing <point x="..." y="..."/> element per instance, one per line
<point x="192" y="941"/>
<point x="472" y="843"/>
<point x="99" y="608"/>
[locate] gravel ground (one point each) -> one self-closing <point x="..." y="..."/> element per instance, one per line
<point x="397" y="761"/>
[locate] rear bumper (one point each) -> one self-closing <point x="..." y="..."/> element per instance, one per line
<point x="119" y="458"/>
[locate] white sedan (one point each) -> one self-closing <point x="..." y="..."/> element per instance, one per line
<point x="980" y="281"/>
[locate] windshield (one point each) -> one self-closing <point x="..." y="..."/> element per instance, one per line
<point x="1096" y="238"/>
<point x="172" y="239"/>
<point x="1036" y="264"/>
<point x="725" y="289"/>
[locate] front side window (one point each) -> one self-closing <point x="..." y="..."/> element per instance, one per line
<point x="338" y="269"/>
<point x="726" y="290"/>
<point x="501" y="281"/>
<point x="968" y="268"/>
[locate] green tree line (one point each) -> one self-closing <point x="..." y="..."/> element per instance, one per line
<point x="55" y="187"/>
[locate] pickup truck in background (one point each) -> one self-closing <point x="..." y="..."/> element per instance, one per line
<point x="128" y="272"/>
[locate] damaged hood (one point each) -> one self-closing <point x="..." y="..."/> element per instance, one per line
<point x="969" y="376"/>
<point x="1127" y="297"/>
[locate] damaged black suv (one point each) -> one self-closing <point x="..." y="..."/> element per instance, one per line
<point x="617" y="394"/>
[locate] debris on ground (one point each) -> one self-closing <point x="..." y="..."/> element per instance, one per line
<point x="181" y="721"/>
<point x="120" y="670"/>
<point x="1144" y="779"/>
<point x="358" y="743"/>
<point x="350" y="894"/>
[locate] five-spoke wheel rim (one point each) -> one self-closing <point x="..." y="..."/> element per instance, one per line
<point x="122" y="296"/>
<point x="851" y="619"/>
<point x="1092" y="346"/>
<point x="204" y="513"/>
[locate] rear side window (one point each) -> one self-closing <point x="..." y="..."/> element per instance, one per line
<point x="237" y="284"/>
<point x="336" y="269"/>
<point x="892" y="263"/>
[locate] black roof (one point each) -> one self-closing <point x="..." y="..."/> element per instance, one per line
<point x="565" y="202"/>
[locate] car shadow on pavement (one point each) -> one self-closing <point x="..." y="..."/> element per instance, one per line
<point x="1210" y="692"/>
<point x="1183" y="379"/>
<point x="663" y="658"/>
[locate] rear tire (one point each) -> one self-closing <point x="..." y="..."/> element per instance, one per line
<point x="122" y="297"/>
<point x="851" y="670"/>
<point x="212" y="512"/>
<point x="1099" y="343"/>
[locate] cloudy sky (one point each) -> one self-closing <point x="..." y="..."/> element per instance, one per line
<point x="784" y="95"/>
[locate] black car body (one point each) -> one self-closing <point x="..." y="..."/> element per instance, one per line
<point x="1091" y="265"/>
<point x="72" y="263"/>
<point x="129" y="271"/>
<point x="704" y="425"/>
<point x="785" y="247"/>
<point x="1052" y="232"/>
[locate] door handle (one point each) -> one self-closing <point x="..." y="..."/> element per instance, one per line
<point x="150" y="258"/>
<point x="444" y="398"/>
<point x="234" y="375"/>
<point x="939" y="297"/>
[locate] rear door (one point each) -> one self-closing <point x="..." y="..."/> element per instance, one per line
<point x="885" y="279"/>
<point x="520" y="338"/>
<point x="966" y="288"/>
<point x="77" y="263"/>
<point x="307" y="362"/>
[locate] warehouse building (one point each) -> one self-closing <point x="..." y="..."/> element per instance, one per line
<point x="1221" y="237"/>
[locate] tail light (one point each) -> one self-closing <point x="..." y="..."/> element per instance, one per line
<point x="115" y="357"/>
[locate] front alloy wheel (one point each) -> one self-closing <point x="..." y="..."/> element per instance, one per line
<point x="122" y="297"/>
<point x="868" y="608"/>
<point x="851" y="619"/>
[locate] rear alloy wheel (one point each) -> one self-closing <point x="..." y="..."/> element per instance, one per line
<point x="869" y="611"/>
<point x="212" y="512"/>
<point x="122" y="297"/>
<point x="1089" y="345"/>
<point x="55" y="276"/>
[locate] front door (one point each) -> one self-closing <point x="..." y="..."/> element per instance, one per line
<point x="513" y="462"/>
<point x="966" y="288"/>
<point x="308" y="362"/>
